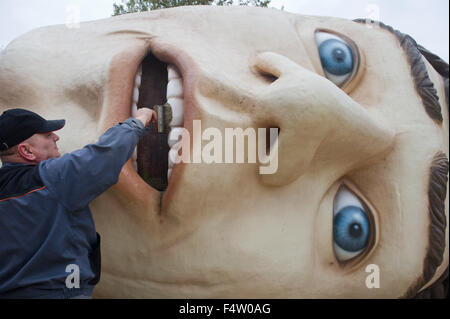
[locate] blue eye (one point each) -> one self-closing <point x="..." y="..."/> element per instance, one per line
<point x="336" y="57"/>
<point x="353" y="229"/>
<point x="339" y="59"/>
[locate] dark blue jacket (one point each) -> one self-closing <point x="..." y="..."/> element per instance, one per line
<point x="45" y="221"/>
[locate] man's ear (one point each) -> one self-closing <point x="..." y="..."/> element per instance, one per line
<point x="25" y="151"/>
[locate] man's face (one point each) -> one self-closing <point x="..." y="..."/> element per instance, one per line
<point x="355" y="149"/>
<point x="43" y="146"/>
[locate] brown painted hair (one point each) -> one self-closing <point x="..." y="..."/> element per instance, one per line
<point x="437" y="191"/>
<point x="438" y="177"/>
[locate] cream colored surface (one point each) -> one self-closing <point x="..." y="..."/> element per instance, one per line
<point x="223" y="229"/>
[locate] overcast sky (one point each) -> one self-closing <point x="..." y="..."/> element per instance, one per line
<point x="427" y="21"/>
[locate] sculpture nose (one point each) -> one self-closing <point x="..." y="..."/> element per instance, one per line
<point x="320" y="125"/>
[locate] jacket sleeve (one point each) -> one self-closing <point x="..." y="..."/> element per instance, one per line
<point x="77" y="178"/>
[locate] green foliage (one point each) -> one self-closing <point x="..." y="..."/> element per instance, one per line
<point x="147" y="5"/>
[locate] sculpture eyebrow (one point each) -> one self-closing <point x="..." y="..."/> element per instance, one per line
<point x="437" y="191"/>
<point x="424" y="85"/>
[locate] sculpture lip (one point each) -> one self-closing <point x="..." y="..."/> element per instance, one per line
<point x="116" y="108"/>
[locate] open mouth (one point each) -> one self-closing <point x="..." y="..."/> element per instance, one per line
<point x="155" y="84"/>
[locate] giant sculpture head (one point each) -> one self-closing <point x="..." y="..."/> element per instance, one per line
<point x="361" y="177"/>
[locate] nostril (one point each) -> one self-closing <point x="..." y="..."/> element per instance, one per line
<point x="263" y="73"/>
<point x="269" y="141"/>
<point x="270" y="78"/>
<point x="267" y="77"/>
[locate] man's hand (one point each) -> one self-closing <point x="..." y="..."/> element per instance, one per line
<point x="146" y="115"/>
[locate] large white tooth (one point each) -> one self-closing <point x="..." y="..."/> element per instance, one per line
<point x="135" y="95"/>
<point x="173" y="156"/>
<point x="169" y="173"/>
<point x="172" y="72"/>
<point x="175" y="88"/>
<point x="177" y="106"/>
<point x="175" y="135"/>
<point x="133" y="109"/>
<point x="138" y="80"/>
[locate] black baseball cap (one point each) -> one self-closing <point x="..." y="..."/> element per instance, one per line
<point x="17" y="125"/>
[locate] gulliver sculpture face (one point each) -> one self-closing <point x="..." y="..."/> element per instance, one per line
<point x="355" y="150"/>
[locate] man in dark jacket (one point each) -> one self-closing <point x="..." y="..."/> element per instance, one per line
<point x="48" y="244"/>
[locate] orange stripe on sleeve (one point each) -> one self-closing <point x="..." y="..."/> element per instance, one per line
<point x="35" y="190"/>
